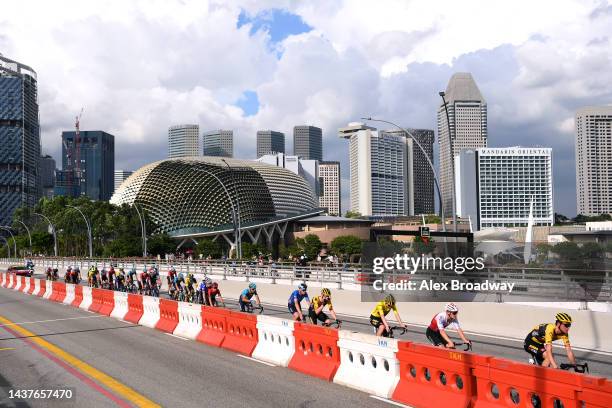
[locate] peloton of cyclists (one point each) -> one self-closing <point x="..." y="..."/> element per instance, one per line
<point x="295" y="300"/>
<point x="436" y="331"/>
<point x="245" y="298"/>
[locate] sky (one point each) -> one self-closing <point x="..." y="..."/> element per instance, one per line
<point x="138" y="67"/>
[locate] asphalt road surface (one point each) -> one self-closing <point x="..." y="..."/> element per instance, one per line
<point x="106" y="362"/>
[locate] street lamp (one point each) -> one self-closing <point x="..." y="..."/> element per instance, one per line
<point x="239" y="249"/>
<point x="8" y="247"/>
<point x="452" y="161"/>
<point x="28" y="231"/>
<point x="88" y="229"/>
<point x="52" y="229"/>
<point x="8" y="229"/>
<point x="433" y="170"/>
<point x="143" y="228"/>
<point x="236" y="242"/>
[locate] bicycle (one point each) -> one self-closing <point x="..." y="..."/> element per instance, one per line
<point x="250" y="308"/>
<point x="390" y="334"/>
<point x="578" y="368"/>
<point x="337" y="323"/>
<point x="468" y="346"/>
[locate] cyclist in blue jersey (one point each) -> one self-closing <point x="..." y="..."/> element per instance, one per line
<point x="245" y="298"/>
<point x="205" y="284"/>
<point x="295" y="300"/>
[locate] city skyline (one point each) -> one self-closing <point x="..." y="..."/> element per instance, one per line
<point x="316" y="69"/>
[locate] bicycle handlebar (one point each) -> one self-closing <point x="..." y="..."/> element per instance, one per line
<point x="468" y="346"/>
<point x="579" y="368"/>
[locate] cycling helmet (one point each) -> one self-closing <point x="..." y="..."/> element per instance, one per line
<point x="69" y="268"/>
<point x="181" y="275"/>
<point x="172" y="269"/>
<point x="451" y="307"/>
<point x="563" y="318"/>
<point x="208" y="281"/>
<point x="215" y="285"/>
<point x="120" y="269"/>
<point x="252" y="286"/>
<point x="302" y="286"/>
<point x="326" y="292"/>
<point x="390" y="300"/>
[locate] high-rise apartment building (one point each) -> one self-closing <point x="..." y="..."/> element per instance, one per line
<point x="594" y="160"/>
<point x="47" y="175"/>
<point x="307" y="169"/>
<point x="422" y="179"/>
<point x="380" y="171"/>
<point x="329" y="190"/>
<point x="219" y="143"/>
<point x="467" y="115"/>
<point x="183" y="141"/>
<point x="308" y="142"/>
<point x="120" y="177"/>
<point x="94" y="176"/>
<point x="19" y="138"/>
<point x="270" y="142"/>
<point x="497" y="186"/>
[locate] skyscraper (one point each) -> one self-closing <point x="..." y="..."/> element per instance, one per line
<point x="270" y="141"/>
<point x="183" y="141"/>
<point x="380" y="171"/>
<point x="594" y="160"/>
<point x="47" y="175"/>
<point x="467" y="114"/>
<point x="308" y="142"/>
<point x="20" y="138"/>
<point x="219" y="143"/>
<point x="329" y="190"/>
<point x="97" y="165"/>
<point x="422" y="177"/>
<point x="120" y="177"/>
<point x="307" y="169"/>
<point x="496" y="186"/>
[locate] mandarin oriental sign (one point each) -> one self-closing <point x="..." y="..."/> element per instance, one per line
<point x="516" y="151"/>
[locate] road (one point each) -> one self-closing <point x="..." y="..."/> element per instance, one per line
<point x="119" y="364"/>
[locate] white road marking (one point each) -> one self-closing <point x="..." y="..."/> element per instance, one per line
<point x="389" y="401"/>
<point x="256" y="360"/>
<point x="51" y="320"/>
<point x="178" y="337"/>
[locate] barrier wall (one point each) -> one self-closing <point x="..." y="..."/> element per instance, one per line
<point x="20" y="281"/>
<point x="190" y="321"/>
<point x="241" y="335"/>
<point x="78" y="296"/>
<point x="121" y="305"/>
<point x="38" y="286"/>
<point x="32" y="286"/>
<point x="168" y="316"/>
<point x="135" y="308"/>
<point x="367" y="363"/>
<point x="48" y="289"/>
<point x="87" y="298"/>
<point x="316" y="351"/>
<point x="96" y="303"/>
<point x="276" y="343"/>
<point x="59" y="292"/>
<point x="214" y="326"/>
<point x="26" y="285"/>
<point x="108" y="302"/>
<point x="69" y="298"/>
<point x="150" y="315"/>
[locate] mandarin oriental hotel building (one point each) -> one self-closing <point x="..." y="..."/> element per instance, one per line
<point x="495" y="187"/>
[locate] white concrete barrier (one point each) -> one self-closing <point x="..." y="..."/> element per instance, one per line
<point x="36" y="287"/>
<point x="190" y="320"/>
<point x="48" y="290"/>
<point x="2" y="277"/>
<point x="11" y="279"/>
<point x="18" y="286"/>
<point x="150" y="317"/>
<point x="121" y="305"/>
<point x="26" y="287"/>
<point x="368" y="363"/>
<point x="87" y="298"/>
<point x="70" y="295"/>
<point x="276" y="343"/>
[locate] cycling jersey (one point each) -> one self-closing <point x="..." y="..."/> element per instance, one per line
<point x="441" y="321"/>
<point x="247" y="294"/>
<point x="189" y="281"/>
<point x="545" y="334"/>
<point x="212" y="292"/>
<point x="381" y="309"/>
<point x="295" y="295"/>
<point x="317" y="302"/>
<point x="202" y="287"/>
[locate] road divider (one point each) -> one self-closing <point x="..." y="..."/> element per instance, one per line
<point x="87" y="298"/>
<point x="135" y="308"/>
<point x="48" y="289"/>
<point x="276" y="343"/>
<point x="108" y="302"/>
<point x="189" y="321"/>
<point x="241" y="335"/>
<point x="120" y="305"/>
<point x="32" y="287"/>
<point x="150" y="316"/>
<point x="78" y="296"/>
<point x="214" y="326"/>
<point x="168" y="316"/>
<point x="69" y="298"/>
<point x="26" y="284"/>
<point x="316" y="351"/>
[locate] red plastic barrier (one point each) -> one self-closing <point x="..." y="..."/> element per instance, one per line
<point x="596" y="392"/>
<point x="59" y="292"/>
<point x="43" y="287"/>
<point x="21" y="281"/>
<point x="78" y="295"/>
<point x="14" y="283"/>
<point x="168" y="315"/>
<point x="135" y="308"/>
<point x="214" y="326"/>
<point x="435" y="377"/>
<point x="31" y="288"/>
<point x="505" y="383"/>
<point x="241" y="335"/>
<point x="96" y="303"/>
<point x="108" y="302"/>
<point x="1" y="278"/>
<point x="316" y="351"/>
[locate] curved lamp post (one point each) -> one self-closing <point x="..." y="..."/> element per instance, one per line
<point x="428" y="161"/>
<point x="28" y="231"/>
<point x="452" y="161"/>
<point x="8" y="229"/>
<point x="52" y="229"/>
<point x="88" y="229"/>
<point x="143" y="228"/>
<point x="239" y="249"/>
<point x="236" y="241"/>
<point x="8" y="247"/>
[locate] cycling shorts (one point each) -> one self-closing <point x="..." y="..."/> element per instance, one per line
<point x="375" y="321"/>
<point x="322" y="317"/>
<point x="434" y="337"/>
<point x="535" y="349"/>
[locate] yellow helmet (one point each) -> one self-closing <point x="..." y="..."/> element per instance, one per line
<point x="563" y="317"/>
<point x="325" y="292"/>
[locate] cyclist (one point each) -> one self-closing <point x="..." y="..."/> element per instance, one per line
<point x="295" y="300"/>
<point x="92" y="277"/>
<point x="179" y="280"/>
<point x="120" y="280"/>
<point x="155" y="281"/>
<point x="132" y="278"/>
<point x="203" y="298"/>
<point x="171" y="275"/>
<point x="315" y="312"/>
<point x="538" y="342"/>
<point x="436" y="331"/>
<point x="212" y="293"/>
<point x="245" y="298"/>
<point x="68" y="275"/>
<point x="378" y="316"/>
<point x="104" y="278"/>
<point x="190" y="280"/>
<point x="143" y="282"/>
<point x="111" y="278"/>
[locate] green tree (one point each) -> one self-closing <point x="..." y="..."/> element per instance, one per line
<point x="346" y="245"/>
<point x="567" y="251"/>
<point x="591" y="250"/>
<point x="432" y="219"/>
<point x="312" y="246"/>
<point x="161" y="244"/>
<point x="353" y="214"/>
<point x="208" y="247"/>
<point x="420" y="247"/>
<point x="251" y="251"/>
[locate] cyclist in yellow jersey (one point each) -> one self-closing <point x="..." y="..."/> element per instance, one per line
<point x="378" y="316"/>
<point x="318" y="303"/>
<point x="538" y="342"/>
